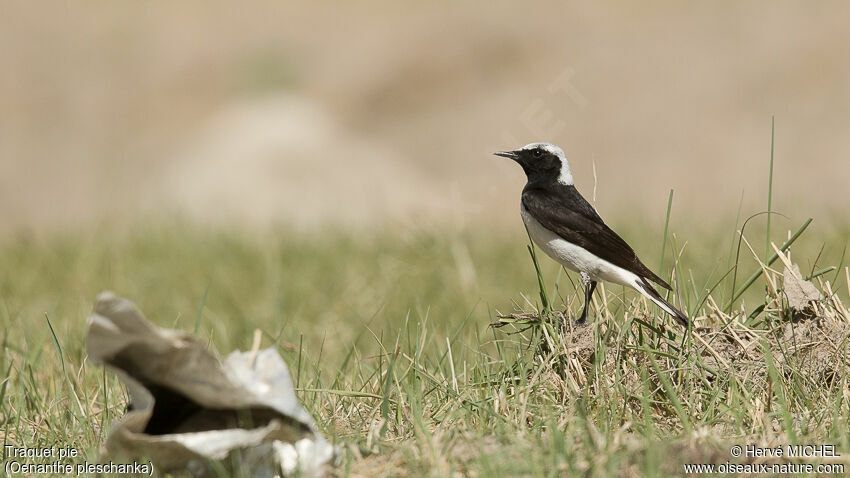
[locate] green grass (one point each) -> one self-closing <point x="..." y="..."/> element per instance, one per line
<point x="387" y="338"/>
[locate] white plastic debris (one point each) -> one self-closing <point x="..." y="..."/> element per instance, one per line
<point x="191" y="412"/>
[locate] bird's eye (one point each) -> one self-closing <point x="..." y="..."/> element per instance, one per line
<point x="537" y="153"/>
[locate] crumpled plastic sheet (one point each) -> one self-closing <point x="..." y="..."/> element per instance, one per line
<point x="191" y="412"/>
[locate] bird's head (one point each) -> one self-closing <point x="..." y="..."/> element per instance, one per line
<point x="541" y="161"/>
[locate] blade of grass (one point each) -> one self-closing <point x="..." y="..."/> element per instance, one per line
<point x="769" y="191"/>
<point x="544" y="298"/>
<point x="821" y="272"/>
<point x="670" y="391"/>
<point x="201" y="308"/>
<point x="64" y="370"/>
<point x="777" y="389"/>
<point x="732" y="243"/>
<point x="345" y="393"/>
<point x="664" y="238"/>
<point x="771" y="260"/>
<point x="5" y="384"/>
<point x="457" y="332"/>
<point x="839" y="267"/>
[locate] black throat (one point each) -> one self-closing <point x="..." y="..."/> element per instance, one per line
<point x="547" y="181"/>
<point x="564" y="196"/>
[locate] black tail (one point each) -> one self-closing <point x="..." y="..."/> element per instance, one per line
<point x="647" y="290"/>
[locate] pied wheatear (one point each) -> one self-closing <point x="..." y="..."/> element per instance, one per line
<point x="562" y="223"/>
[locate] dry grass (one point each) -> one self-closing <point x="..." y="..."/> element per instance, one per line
<point x="391" y="351"/>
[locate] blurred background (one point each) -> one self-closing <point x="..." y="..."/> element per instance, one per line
<point x="308" y="114"/>
<point x="323" y="172"/>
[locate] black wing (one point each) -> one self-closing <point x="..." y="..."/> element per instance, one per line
<point x="564" y="211"/>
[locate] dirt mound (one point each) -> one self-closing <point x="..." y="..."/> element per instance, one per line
<point x="816" y="348"/>
<point x="812" y="347"/>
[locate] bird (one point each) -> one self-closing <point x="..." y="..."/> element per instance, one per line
<point x="569" y="230"/>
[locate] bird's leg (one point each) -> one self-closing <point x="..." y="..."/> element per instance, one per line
<point x="589" y="287"/>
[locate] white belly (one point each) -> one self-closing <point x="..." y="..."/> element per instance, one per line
<point x="575" y="257"/>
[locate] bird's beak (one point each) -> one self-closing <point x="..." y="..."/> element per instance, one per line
<point x="508" y="154"/>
